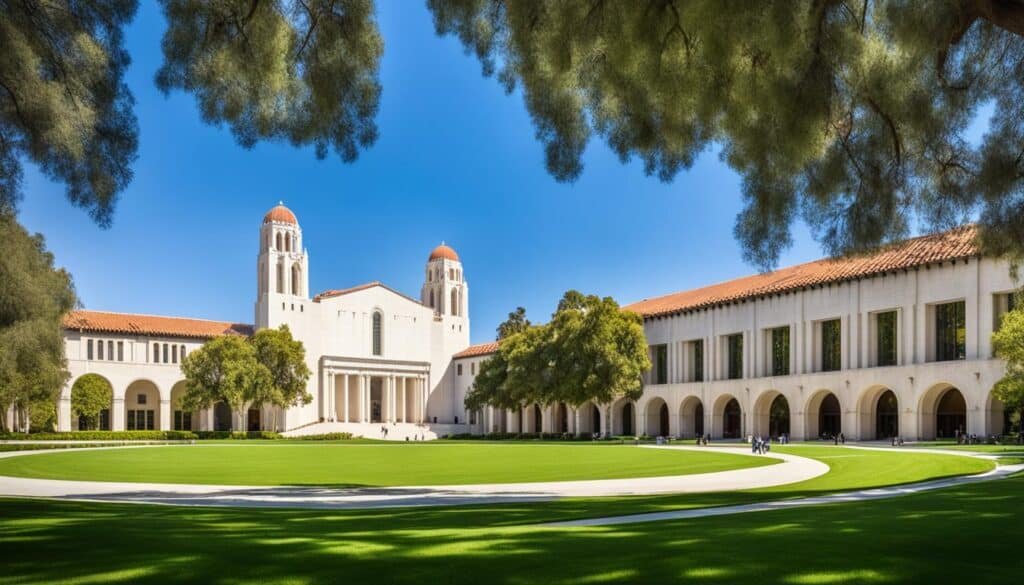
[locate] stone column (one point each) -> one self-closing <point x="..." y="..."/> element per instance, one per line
<point x="401" y="403"/>
<point x="423" y="399"/>
<point x="344" y="386"/>
<point x="117" y="415"/>
<point x="362" y="398"/>
<point x="166" y="421"/>
<point x="576" y="421"/>
<point x="392" y="415"/>
<point x="64" y="414"/>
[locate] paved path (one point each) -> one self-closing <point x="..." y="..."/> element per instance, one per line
<point x="791" y="469"/>
<point x="1000" y="472"/>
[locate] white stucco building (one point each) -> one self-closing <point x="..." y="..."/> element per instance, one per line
<point x="377" y="355"/>
<point x="897" y="343"/>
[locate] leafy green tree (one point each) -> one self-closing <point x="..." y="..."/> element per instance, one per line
<point x="90" y="395"/>
<point x="1008" y="342"/>
<point x="300" y="71"/>
<point x="225" y="369"/>
<point x="591" y="350"/>
<point x="34" y="295"/>
<point x="852" y="114"/>
<point x="285" y="358"/>
<point x="63" y="101"/>
<point x="515" y="323"/>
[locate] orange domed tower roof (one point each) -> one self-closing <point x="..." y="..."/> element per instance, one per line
<point x="280" y="214"/>
<point x="443" y="252"/>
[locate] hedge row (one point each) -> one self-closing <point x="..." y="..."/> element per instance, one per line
<point x="519" y="437"/>
<point x="325" y="437"/>
<point x="138" y="435"/>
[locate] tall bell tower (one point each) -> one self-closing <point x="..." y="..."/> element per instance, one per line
<point x="282" y="266"/>
<point x="445" y="289"/>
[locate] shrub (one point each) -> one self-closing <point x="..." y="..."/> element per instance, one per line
<point x="104" y="436"/>
<point x="215" y="435"/>
<point x="326" y="437"/>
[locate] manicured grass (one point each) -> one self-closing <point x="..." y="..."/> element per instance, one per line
<point x="372" y="465"/>
<point x="963" y="535"/>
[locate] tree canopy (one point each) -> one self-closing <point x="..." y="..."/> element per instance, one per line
<point x="267" y="368"/>
<point x="90" y="395"/>
<point x="515" y="323"/>
<point x="63" y="101"/>
<point x="34" y="295"/>
<point x="301" y="71"/>
<point x="851" y="114"/>
<point x="591" y="350"/>
<point x="1008" y="342"/>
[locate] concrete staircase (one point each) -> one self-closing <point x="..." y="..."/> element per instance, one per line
<point x="396" y="431"/>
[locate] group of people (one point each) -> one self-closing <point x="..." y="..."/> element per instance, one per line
<point x="760" y="445"/>
<point x="703" y="440"/>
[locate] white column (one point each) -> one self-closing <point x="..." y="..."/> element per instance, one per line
<point x="401" y="403"/>
<point x="344" y="385"/>
<point x="423" y="399"/>
<point x="391" y="399"/>
<point x="117" y="415"/>
<point x="165" y="415"/>
<point x="329" y="398"/>
<point x="363" y="390"/>
<point x="64" y="414"/>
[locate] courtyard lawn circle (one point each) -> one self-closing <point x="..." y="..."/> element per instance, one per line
<point x="372" y="465"/>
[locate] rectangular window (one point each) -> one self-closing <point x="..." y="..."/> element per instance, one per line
<point x="110" y="350"/>
<point x="182" y="420"/>
<point x="734" y="354"/>
<point x="885" y="326"/>
<point x="698" y="360"/>
<point x="950" y="331"/>
<point x="141" y="399"/>
<point x="472" y="368"/>
<point x="831" y="345"/>
<point x="780" y="351"/>
<point x="120" y="351"/>
<point x="174" y="354"/>
<point x="88" y="349"/>
<point x="165" y="356"/>
<point x="156" y="353"/>
<point x="458" y="370"/>
<point x="99" y="349"/>
<point x="660" y="364"/>
<point x="130" y="421"/>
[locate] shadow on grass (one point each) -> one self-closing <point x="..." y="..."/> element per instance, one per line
<point x="965" y="534"/>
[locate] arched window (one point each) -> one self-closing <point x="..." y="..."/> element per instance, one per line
<point x="378" y="324"/>
<point x="455" y="302"/>
<point x="296" y="274"/>
<point x="287" y="242"/>
<point x="431" y="298"/>
<point x="278" y="246"/>
<point x="280" y="277"/>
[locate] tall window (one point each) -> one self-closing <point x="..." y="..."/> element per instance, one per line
<point x="280" y="277"/>
<point x="88" y="349"/>
<point x="734" y="348"/>
<point x="296" y="273"/>
<point x="279" y="247"/>
<point x="885" y="325"/>
<point x="174" y="354"/>
<point x="120" y="351"/>
<point x="156" y="353"/>
<point x="831" y="345"/>
<point x="950" y="331"/>
<point x="1002" y="304"/>
<point x="181" y="352"/>
<point x="455" y="302"/>
<point x="99" y="347"/>
<point x="377" y="325"/>
<point x="660" y="355"/>
<point x="698" y="360"/>
<point x="110" y="350"/>
<point x="166" y="357"/>
<point x="780" y="351"/>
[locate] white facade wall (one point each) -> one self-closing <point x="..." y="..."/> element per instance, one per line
<point x="917" y="380"/>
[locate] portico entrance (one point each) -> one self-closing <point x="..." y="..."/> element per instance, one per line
<point x="358" y="391"/>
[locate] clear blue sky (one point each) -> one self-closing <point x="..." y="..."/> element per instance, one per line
<point x="456" y="161"/>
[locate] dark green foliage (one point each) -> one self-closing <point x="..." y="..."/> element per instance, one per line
<point x="848" y="113"/>
<point x="63" y="102"/>
<point x="591" y="350"/>
<point x="34" y="295"/>
<point x="515" y="323"/>
<point x="304" y="72"/>
<point x="90" y="395"/>
<point x="325" y="437"/>
<point x="106" y="436"/>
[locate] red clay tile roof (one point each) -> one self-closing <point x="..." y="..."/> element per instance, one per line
<point x="954" y="244"/>
<point x="337" y="292"/>
<point x="280" y="214"/>
<point x="478" y="350"/>
<point x="443" y="251"/>
<point x="126" y="323"/>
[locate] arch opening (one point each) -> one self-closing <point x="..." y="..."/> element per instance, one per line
<point x="92" y="398"/>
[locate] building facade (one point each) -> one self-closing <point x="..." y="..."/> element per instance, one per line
<point x="897" y="343"/>
<point x="377" y="355"/>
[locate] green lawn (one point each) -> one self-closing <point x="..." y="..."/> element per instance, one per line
<point x="967" y="535"/>
<point x="372" y="465"/>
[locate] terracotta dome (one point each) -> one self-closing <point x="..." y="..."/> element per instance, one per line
<point x="280" y="214"/>
<point x="444" y="252"/>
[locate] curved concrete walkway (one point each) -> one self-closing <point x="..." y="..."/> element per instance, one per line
<point x="1000" y="472"/>
<point x="791" y="469"/>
